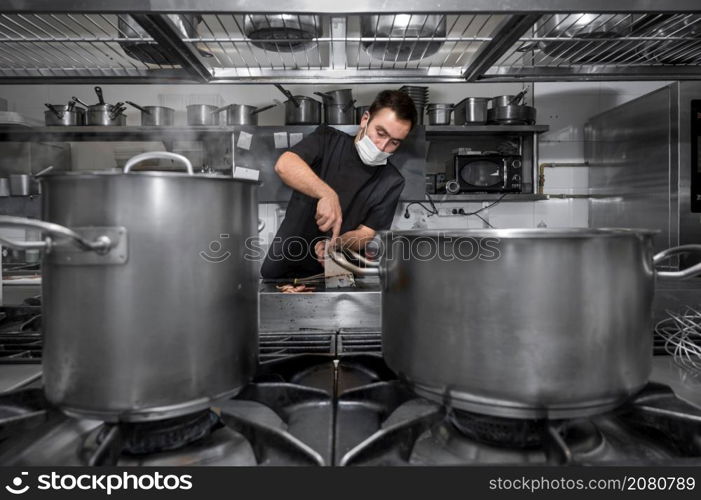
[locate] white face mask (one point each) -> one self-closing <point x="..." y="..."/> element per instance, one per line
<point x="369" y="153"/>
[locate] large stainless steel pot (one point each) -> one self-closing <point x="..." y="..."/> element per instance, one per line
<point x="149" y="305"/>
<point x="526" y="323"/>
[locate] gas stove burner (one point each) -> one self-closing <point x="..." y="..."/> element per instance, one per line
<point x="499" y="431"/>
<point x="163" y="435"/>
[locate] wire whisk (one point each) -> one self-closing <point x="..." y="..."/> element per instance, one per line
<point x="682" y="335"/>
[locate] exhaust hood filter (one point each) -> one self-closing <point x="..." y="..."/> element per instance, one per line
<point x="150" y="52"/>
<point x="404" y="27"/>
<point x="286" y="32"/>
<point x="602" y="36"/>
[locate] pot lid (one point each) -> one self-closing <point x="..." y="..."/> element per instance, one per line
<point x="116" y="172"/>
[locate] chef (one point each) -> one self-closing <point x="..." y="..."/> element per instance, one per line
<point x="345" y="187"/>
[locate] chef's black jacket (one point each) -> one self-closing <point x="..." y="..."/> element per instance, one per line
<point x="368" y="195"/>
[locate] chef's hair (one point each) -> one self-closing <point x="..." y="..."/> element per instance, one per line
<point x="399" y="102"/>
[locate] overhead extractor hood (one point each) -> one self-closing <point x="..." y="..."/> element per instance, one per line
<point x="345" y="43"/>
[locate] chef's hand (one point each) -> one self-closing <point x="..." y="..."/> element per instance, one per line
<point x="320" y="251"/>
<point x="329" y="215"/>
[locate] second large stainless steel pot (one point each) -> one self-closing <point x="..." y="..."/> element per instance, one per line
<point x="149" y="304"/>
<point x="525" y="323"/>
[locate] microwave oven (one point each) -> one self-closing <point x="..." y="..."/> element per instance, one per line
<point x="486" y="173"/>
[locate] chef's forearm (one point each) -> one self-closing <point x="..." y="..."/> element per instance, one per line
<point x="297" y="174"/>
<point x="356" y="239"/>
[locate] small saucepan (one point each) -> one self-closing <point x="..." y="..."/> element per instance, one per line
<point x="155" y="116"/>
<point x="103" y="114"/>
<point x="64" y="115"/>
<point x="202" y="114"/>
<point x="242" y="114"/>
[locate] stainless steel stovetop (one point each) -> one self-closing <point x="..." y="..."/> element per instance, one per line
<point x="316" y="410"/>
<point x="326" y="409"/>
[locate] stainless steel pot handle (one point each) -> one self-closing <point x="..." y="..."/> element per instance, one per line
<point x="143" y="110"/>
<point x="261" y="225"/>
<point x="152" y="155"/>
<point x="341" y="260"/>
<point x="670" y="252"/>
<point x="219" y="110"/>
<point x="349" y="106"/>
<point x="362" y="259"/>
<point x="265" y="108"/>
<point x="101" y="245"/>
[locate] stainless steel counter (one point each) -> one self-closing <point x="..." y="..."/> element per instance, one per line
<point x="329" y="310"/>
<point x="15" y="376"/>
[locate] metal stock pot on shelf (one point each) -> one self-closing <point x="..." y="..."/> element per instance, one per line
<point x="149" y="305"/>
<point x="524" y="323"/>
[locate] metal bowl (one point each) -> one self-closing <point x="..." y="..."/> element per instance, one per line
<point x="404" y="27"/>
<point x="605" y="28"/>
<point x="286" y="32"/>
<point x="512" y="115"/>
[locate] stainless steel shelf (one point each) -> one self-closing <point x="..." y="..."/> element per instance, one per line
<point x="117" y="133"/>
<point x="484" y="129"/>
<point x="488" y="197"/>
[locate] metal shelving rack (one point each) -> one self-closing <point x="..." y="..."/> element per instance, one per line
<point x="67" y="41"/>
